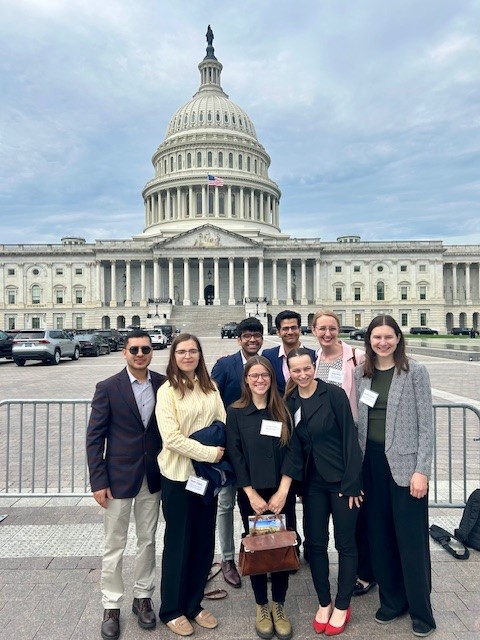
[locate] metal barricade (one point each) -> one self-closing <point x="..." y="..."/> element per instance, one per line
<point x="42" y="450"/>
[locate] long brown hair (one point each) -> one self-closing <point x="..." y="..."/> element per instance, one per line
<point x="275" y="405"/>
<point x="178" y="379"/>
<point x="295" y="353"/>
<point x="399" y="356"/>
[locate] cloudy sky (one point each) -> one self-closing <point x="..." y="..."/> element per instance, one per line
<point x="369" y="109"/>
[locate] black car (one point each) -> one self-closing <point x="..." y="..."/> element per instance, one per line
<point x="461" y="331"/>
<point x="115" y="339"/>
<point x="425" y="331"/>
<point x="6" y="342"/>
<point x="229" y="330"/>
<point x="272" y="331"/>
<point x="358" y="334"/>
<point x="346" y="328"/>
<point x="305" y="328"/>
<point x="93" y="344"/>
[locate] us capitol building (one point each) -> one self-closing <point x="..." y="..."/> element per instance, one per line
<point x="209" y="253"/>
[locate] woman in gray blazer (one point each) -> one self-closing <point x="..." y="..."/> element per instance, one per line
<point x="395" y="430"/>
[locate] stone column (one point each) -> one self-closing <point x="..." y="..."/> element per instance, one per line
<point x="231" y="281"/>
<point x="261" y="196"/>
<point x="216" y="282"/>
<point x="190" y="202"/>
<point x="186" y="283"/>
<point x="246" y="279"/>
<point x="143" y="300"/>
<point x="242" y="205"/>
<point x="216" y="202"/>
<point x="229" y="201"/>
<point x="128" y="283"/>
<point x="171" y="286"/>
<point x="98" y="282"/>
<point x="201" y="284"/>
<point x="113" y="283"/>
<point x="303" y="299"/>
<point x="269" y="208"/>
<point x="155" y="278"/>
<point x="317" y="282"/>
<point x="454" y="281"/>
<point x="252" y="204"/>
<point x="468" y="296"/>
<point x="274" y="281"/>
<point x="168" y="206"/>
<point x="204" y="202"/>
<point x="289" y="282"/>
<point x="178" y="212"/>
<point x="261" y="283"/>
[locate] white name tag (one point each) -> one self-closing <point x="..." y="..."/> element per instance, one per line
<point x="369" y="397"/>
<point x="335" y="375"/>
<point x="197" y="485"/>
<point x="297" y="416"/>
<point x="271" y="428"/>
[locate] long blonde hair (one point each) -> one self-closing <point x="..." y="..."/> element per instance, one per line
<point x="275" y="404"/>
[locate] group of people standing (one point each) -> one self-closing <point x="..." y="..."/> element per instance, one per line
<point x="349" y="431"/>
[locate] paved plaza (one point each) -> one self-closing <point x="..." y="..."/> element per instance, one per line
<point x="50" y="549"/>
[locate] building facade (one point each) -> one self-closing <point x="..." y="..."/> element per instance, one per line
<point x="218" y="243"/>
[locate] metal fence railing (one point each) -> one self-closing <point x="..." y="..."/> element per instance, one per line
<point x="42" y="450"/>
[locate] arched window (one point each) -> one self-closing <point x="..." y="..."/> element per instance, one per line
<point x="248" y="163"/>
<point x="230" y="160"/>
<point x="240" y="161"/>
<point x="199" y="158"/>
<point x="209" y="159"/>
<point x="179" y="161"/>
<point x="35" y="294"/>
<point x="220" y="159"/>
<point x="165" y="166"/>
<point x="209" y="116"/>
<point x="189" y="160"/>
<point x="380" y="290"/>
<point x="171" y="163"/>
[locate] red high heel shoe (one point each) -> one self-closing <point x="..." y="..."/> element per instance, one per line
<point x="319" y="627"/>
<point x="331" y="630"/>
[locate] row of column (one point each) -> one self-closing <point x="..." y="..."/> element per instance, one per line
<point x="467" y="269"/>
<point x="181" y="204"/>
<point x="216" y="280"/>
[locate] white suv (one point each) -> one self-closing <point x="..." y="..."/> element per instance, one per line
<point x="47" y="345"/>
<point x="159" y="339"/>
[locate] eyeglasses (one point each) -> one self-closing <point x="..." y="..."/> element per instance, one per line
<point x="287" y="329"/>
<point x="325" y="329"/>
<point x="249" y="336"/>
<point x="181" y="353"/>
<point x="257" y="376"/>
<point x="135" y="350"/>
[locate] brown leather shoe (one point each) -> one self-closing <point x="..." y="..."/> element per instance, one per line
<point x="230" y="574"/>
<point x="142" y="608"/>
<point x="111" y="624"/>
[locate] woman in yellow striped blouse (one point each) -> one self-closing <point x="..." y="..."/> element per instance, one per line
<point x="188" y="401"/>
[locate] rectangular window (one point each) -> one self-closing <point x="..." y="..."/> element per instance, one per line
<point x="78" y="296"/>
<point x="423" y="293"/>
<point x="338" y="293"/>
<point x="356" y="268"/>
<point x="79" y="322"/>
<point x="338" y="269"/>
<point x="12" y="298"/>
<point x="11" y="272"/>
<point x="403" y="267"/>
<point x="35" y="323"/>
<point x="78" y="271"/>
<point x="422" y="267"/>
<point x="59" y="297"/>
<point x="59" y="322"/>
<point x="59" y="272"/>
<point x="404" y="319"/>
<point x="423" y="319"/>
<point x="11" y="322"/>
<point x="403" y="293"/>
<point x="357" y="293"/>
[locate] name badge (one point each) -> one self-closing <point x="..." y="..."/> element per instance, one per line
<point x="297" y="416"/>
<point x="335" y="375"/>
<point x="369" y="397"/>
<point x="197" y="485"/>
<point x="271" y="428"/>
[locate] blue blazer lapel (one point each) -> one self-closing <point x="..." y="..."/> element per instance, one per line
<point x="126" y="395"/>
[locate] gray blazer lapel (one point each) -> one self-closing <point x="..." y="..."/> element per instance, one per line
<point x="394" y="397"/>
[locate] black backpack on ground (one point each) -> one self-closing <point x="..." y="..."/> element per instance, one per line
<point x="469" y="530"/>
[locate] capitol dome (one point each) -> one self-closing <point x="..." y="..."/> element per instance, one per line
<point x="210" y="135"/>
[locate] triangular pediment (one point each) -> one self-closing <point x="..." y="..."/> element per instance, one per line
<point x="208" y="236"/>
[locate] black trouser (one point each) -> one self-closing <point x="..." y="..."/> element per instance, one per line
<point x="399" y="542"/>
<point x="364" y="570"/>
<point x="279" y="578"/>
<point x="189" y="545"/>
<point x="317" y="509"/>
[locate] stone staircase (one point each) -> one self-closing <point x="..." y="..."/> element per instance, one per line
<point x="205" y="321"/>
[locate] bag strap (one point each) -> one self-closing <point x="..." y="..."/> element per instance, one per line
<point x="353" y="357"/>
<point x="443" y="537"/>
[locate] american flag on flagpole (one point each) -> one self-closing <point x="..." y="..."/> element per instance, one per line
<point x="213" y="181"/>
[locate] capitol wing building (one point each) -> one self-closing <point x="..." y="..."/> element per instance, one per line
<point x="212" y="250"/>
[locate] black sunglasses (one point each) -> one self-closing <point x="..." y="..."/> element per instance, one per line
<point x="135" y="350"/>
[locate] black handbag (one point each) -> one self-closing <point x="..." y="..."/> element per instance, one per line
<point x="443" y="537"/>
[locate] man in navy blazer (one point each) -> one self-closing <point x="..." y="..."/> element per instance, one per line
<point x="228" y="374"/>
<point x="123" y="443"/>
<point x="288" y="324"/>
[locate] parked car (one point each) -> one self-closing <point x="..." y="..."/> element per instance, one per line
<point x="358" y="334"/>
<point x="6" y="344"/>
<point x="423" y="331"/>
<point x="159" y="339"/>
<point x="114" y="337"/>
<point x="229" y="330"/>
<point x="169" y="331"/>
<point x="461" y="331"/>
<point x="305" y="328"/>
<point x="47" y="345"/>
<point x="346" y="328"/>
<point x="92" y="344"/>
<point x="272" y="331"/>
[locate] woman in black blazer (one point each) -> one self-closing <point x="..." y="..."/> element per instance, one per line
<point x="257" y="450"/>
<point x="325" y="455"/>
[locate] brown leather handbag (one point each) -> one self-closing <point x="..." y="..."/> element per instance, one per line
<point x="268" y="553"/>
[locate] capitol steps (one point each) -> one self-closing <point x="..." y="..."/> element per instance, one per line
<point x="205" y="321"/>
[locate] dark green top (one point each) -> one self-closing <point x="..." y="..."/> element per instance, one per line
<point x="377" y="414"/>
